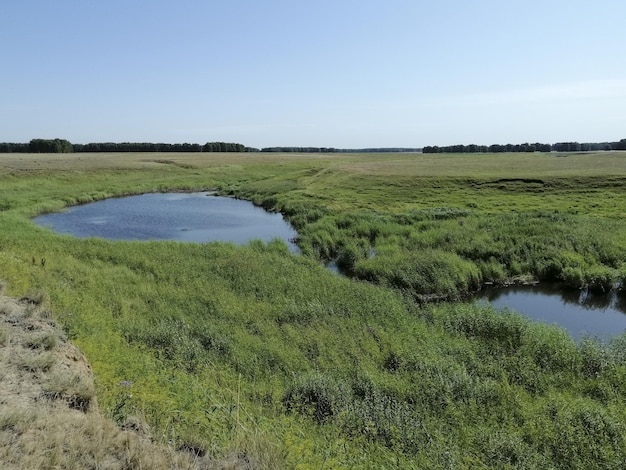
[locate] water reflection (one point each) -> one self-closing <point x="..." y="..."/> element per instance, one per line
<point x="188" y="217"/>
<point x="581" y="313"/>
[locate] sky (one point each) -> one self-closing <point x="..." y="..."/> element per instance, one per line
<point x="342" y="73"/>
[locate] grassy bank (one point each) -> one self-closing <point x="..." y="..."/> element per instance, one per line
<point x="263" y="353"/>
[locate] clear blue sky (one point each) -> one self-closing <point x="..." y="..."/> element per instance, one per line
<point x="342" y="73"/>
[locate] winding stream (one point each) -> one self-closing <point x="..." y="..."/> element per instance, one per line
<point x="203" y="217"/>
<point x="580" y="312"/>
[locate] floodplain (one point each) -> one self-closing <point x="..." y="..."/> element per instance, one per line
<point x="259" y="351"/>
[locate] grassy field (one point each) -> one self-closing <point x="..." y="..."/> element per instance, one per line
<point x="268" y="355"/>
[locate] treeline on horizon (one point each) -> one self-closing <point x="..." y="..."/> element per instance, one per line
<point x="527" y="147"/>
<point x="336" y="150"/>
<point x="64" y="146"/>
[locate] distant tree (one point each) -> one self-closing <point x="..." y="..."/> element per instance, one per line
<point x="567" y="147"/>
<point x="621" y="145"/>
<point x="221" y="147"/>
<point x="50" y="146"/>
<point x="10" y="147"/>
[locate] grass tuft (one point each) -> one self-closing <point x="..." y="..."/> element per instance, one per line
<point x="46" y="341"/>
<point x="35" y="297"/>
<point x="76" y="390"/>
<point x="37" y="362"/>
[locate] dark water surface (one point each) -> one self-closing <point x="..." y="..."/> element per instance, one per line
<point x="186" y="217"/>
<point x="580" y="312"/>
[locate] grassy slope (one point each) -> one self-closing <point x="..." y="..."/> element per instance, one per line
<point x="49" y="417"/>
<point x="253" y="349"/>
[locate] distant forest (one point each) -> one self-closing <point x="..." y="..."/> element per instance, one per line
<point x="64" y="146"/>
<point x="536" y="147"/>
<point x="335" y="150"/>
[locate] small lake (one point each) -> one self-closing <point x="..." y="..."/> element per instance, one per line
<point x="185" y="217"/>
<point x="580" y="312"/>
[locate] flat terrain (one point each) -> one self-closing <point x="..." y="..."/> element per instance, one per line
<point x="254" y="356"/>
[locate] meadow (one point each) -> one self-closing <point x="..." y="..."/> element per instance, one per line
<point x="257" y="351"/>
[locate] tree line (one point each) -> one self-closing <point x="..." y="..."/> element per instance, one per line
<point x="64" y="146"/>
<point x="336" y="150"/>
<point x="528" y="147"/>
<point x="38" y="146"/>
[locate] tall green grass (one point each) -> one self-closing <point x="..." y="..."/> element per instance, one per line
<point x="258" y="351"/>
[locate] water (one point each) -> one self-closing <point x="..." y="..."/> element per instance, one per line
<point x="200" y="217"/>
<point x="581" y="313"/>
<point x="186" y="217"/>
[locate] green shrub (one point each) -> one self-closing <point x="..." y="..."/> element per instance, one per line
<point x="582" y="435"/>
<point x="349" y="255"/>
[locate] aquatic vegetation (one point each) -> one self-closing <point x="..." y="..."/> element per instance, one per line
<point x="255" y="350"/>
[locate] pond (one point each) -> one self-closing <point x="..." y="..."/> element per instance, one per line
<point x="580" y="312"/>
<point x="187" y="217"/>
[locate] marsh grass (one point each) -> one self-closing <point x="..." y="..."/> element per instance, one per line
<point x="257" y="355"/>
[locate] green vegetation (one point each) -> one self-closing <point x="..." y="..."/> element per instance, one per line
<point x="64" y="146"/>
<point x="255" y="351"/>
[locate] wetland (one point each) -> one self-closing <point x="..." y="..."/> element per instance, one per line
<point x="203" y="217"/>
<point x="256" y="351"/>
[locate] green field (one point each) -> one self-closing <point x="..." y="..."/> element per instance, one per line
<point x="268" y="354"/>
